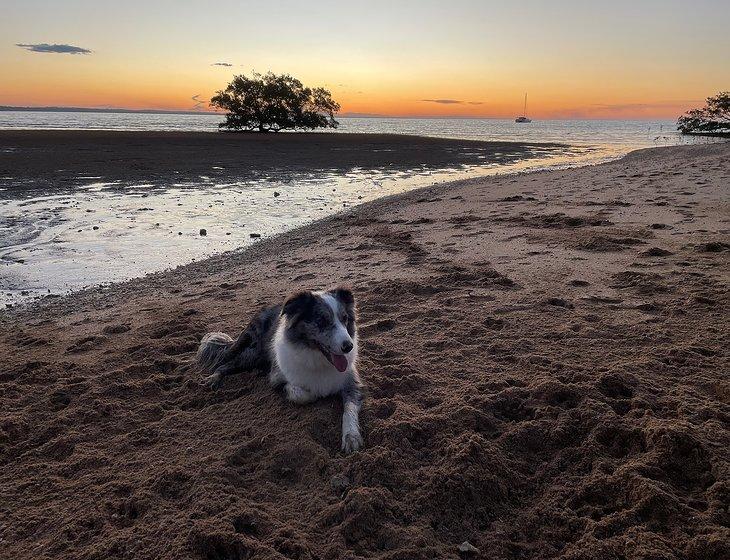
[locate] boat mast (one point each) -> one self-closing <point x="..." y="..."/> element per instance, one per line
<point x="524" y="112"/>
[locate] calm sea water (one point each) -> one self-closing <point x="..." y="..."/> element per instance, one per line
<point x="628" y="134"/>
<point x="106" y="232"/>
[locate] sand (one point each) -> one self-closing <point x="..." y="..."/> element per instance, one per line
<point x="546" y="360"/>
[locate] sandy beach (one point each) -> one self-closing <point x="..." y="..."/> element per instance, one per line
<point x="546" y="366"/>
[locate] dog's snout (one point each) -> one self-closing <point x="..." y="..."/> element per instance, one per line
<point x="346" y="346"/>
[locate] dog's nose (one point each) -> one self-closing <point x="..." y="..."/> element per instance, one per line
<point x="346" y="346"/>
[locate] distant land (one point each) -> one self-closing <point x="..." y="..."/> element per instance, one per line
<point x="103" y="110"/>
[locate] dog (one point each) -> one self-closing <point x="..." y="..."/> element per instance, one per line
<point x="308" y="344"/>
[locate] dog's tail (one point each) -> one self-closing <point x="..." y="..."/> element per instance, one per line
<point x="213" y="350"/>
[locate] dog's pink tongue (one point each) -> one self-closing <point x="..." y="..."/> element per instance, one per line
<point x="339" y="361"/>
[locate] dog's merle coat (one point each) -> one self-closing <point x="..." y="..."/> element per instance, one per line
<point x="308" y="344"/>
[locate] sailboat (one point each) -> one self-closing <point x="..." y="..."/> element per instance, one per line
<point x="523" y="118"/>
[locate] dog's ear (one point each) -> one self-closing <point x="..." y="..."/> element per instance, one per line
<point x="344" y="295"/>
<point x="298" y="304"/>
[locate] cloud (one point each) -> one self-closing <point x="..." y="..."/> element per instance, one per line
<point x="58" y="49"/>
<point x="199" y="103"/>
<point x="226" y="64"/>
<point x="443" y="101"/>
<point x="452" y="102"/>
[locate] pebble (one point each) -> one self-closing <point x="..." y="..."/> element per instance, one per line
<point x="254" y="235"/>
<point x="276" y="193"/>
<point x="203" y="232"/>
<point x="467" y="548"/>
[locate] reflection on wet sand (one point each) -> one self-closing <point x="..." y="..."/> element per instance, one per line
<point x="93" y="229"/>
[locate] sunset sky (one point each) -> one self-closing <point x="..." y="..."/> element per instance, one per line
<point x="577" y="59"/>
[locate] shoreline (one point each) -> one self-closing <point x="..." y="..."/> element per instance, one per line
<point x="94" y="207"/>
<point x="545" y="357"/>
<point x="385" y="200"/>
<point x="54" y="159"/>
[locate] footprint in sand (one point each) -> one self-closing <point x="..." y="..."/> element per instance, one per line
<point x="115" y="329"/>
<point x="558" y="302"/>
<point x="655" y="252"/>
<point x="85" y="344"/>
<point x="713" y="247"/>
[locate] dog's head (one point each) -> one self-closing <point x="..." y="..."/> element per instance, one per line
<point x="324" y="321"/>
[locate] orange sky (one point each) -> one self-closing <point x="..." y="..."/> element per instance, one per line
<point x="640" y="59"/>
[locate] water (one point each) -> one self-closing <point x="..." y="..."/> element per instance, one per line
<point x="627" y="134"/>
<point x="106" y="232"/>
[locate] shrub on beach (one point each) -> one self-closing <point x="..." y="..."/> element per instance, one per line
<point x="271" y="102"/>
<point x="714" y="118"/>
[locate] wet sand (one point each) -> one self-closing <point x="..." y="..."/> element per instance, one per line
<point x="546" y="360"/>
<point x="83" y="208"/>
<point x="52" y="160"/>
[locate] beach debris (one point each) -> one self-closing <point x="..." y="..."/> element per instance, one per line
<point x="179" y="233"/>
<point x="254" y="235"/>
<point x="276" y="193"/>
<point x="95" y="227"/>
<point x="203" y="232"/>
<point x="467" y="548"/>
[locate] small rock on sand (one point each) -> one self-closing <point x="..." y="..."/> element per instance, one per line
<point x="276" y="193"/>
<point x="203" y="232"/>
<point x="254" y="235"/>
<point x="467" y="548"/>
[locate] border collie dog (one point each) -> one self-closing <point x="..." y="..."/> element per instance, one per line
<point x="308" y="345"/>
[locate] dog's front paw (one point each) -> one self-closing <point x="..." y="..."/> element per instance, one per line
<point x="351" y="441"/>
<point x="212" y="381"/>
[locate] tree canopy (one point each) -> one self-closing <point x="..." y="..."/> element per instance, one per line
<point x="714" y="118"/>
<point x="271" y="102"/>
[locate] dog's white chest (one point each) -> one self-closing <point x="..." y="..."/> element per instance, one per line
<point x="309" y="369"/>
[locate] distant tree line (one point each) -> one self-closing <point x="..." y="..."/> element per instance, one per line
<point x="271" y="103"/>
<point x="713" y="119"/>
